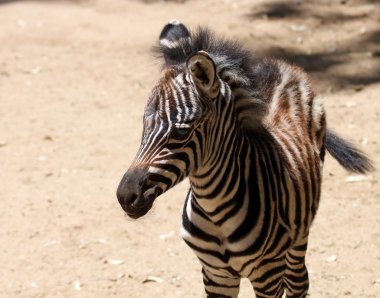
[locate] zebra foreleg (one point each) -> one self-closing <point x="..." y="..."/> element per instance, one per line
<point x="296" y="276"/>
<point x="219" y="286"/>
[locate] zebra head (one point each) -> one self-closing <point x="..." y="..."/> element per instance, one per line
<point x="179" y="111"/>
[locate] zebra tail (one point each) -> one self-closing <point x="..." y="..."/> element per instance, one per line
<point x="347" y="154"/>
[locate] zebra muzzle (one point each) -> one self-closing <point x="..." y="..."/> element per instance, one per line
<point x="152" y="193"/>
<point x="134" y="196"/>
<point x="136" y="206"/>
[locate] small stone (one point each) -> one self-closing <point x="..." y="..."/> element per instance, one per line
<point x="152" y="278"/>
<point x="121" y="275"/>
<point x="356" y="244"/>
<point x="77" y="285"/>
<point x="350" y="104"/>
<point x="35" y="70"/>
<point x="51" y="242"/>
<point x="298" y="28"/>
<point x="356" y="178"/>
<point x="167" y="235"/>
<point x="176" y="278"/>
<point x="115" y="261"/>
<point x="83" y="244"/>
<point x="331" y="259"/>
<point x="299" y="40"/>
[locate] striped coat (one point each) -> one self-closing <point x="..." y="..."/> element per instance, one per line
<point x="251" y="136"/>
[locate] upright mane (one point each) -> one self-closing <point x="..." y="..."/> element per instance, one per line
<point x="234" y="64"/>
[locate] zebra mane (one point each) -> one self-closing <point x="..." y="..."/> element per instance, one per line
<point x="234" y="64"/>
<point x="231" y="59"/>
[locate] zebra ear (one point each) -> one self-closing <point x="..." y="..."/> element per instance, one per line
<point x="175" y="42"/>
<point x="172" y="33"/>
<point x="203" y="71"/>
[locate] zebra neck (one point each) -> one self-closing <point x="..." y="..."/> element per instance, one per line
<point x="220" y="186"/>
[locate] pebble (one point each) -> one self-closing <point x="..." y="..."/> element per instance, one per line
<point x="77" y="285"/>
<point x="356" y="178"/>
<point x="167" y="235"/>
<point x="52" y="242"/>
<point x="119" y="276"/>
<point x="356" y="244"/>
<point x="152" y="278"/>
<point x="331" y="259"/>
<point x="350" y="104"/>
<point x="102" y="241"/>
<point x="115" y="261"/>
<point x="35" y="70"/>
<point x="298" y="28"/>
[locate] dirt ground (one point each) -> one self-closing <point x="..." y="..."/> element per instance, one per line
<point x="74" y="78"/>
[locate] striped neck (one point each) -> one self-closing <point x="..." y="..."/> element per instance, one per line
<point x="218" y="185"/>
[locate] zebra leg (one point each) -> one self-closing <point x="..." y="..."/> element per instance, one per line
<point x="296" y="276"/>
<point x="220" y="286"/>
<point x="268" y="278"/>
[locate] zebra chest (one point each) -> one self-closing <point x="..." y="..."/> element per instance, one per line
<point x="209" y="241"/>
<point x="214" y="251"/>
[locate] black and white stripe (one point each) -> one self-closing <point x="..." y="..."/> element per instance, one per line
<point x="250" y="135"/>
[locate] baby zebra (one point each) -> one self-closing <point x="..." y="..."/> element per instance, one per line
<point x="251" y="136"/>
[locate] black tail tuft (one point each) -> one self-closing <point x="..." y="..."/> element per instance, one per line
<point x="348" y="156"/>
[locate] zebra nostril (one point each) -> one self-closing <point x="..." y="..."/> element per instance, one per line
<point x="130" y="198"/>
<point x="126" y="198"/>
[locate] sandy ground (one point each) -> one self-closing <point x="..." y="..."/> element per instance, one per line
<point x="74" y="78"/>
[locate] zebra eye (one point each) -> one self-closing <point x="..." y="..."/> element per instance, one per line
<point x="180" y="132"/>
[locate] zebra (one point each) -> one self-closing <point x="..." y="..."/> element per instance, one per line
<point x="250" y="134"/>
